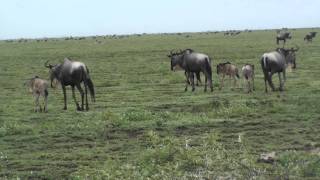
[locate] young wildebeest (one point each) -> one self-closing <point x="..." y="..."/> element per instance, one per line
<point x="193" y="63"/>
<point x="38" y="87"/>
<point x="283" y="36"/>
<point x="227" y="69"/>
<point x="248" y="75"/>
<point x="72" y="73"/>
<point x="274" y="62"/>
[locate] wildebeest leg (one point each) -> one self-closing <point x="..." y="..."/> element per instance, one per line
<point x="221" y="82"/>
<point x="265" y="82"/>
<point x="187" y="77"/>
<point x="281" y="83"/>
<point x="270" y="81"/>
<point x="45" y="103"/>
<point x="82" y="95"/>
<point x="198" y="78"/>
<point x="192" y="81"/>
<point x="36" y="101"/>
<point x="187" y="81"/>
<point x="64" y="97"/>
<point x="253" y="84"/>
<point x="86" y="94"/>
<point x="74" y="98"/>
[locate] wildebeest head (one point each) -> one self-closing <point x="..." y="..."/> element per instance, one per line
<point x="54" y="71"/>
<point x="175" y="57"/>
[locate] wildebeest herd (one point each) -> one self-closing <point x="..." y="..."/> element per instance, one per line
<point x="73" y="73"/>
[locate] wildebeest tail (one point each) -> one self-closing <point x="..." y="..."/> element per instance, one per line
<point x="208" y="67"/>
<point x="91" y="89"/>
<point x="90" y="85"/>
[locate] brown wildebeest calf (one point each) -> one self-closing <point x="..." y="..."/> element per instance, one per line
<point x="229" y="69"/>
<point x="38" y="87"/>
<point x="248" y="76"/>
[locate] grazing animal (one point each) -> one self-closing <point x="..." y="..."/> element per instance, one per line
<point x="274" y="62"/>
<point x="228" y="69"/>
<point x="72" y="73"/>
<point x="248" y="75"/>
<point x="38" y="87"/>
<point x="310" y="36"/>
<point x="193" y="63"/>
<point x="283" y="37"/>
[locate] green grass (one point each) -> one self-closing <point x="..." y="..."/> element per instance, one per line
<point x="142" y="119"/>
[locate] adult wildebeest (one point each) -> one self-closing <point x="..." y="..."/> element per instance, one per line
<point x="38" y="87"/>
<point x="283" y="36"/>
<point x="274" y="62"/>
<point x="186" y="51"/>
<point x="310" y="36"/>
<point x="193" y="63"/>
<point x="227" y="69"/>
<point x="248" y="76"/>
<point x="72" y="73"/>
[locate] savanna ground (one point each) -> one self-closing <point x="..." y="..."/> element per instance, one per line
<point x="143" y="125"/>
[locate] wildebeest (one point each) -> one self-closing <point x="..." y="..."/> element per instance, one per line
<point x="186" y="51"/>
<point x="248" y="76"/>
<point x="228" y="69"/>
<point x="72" y="73"/>
<point x="193" y="63"/>
<point x="38" y="87"/>
<point x="310" y="36"/>
<point x="274" y="62"/>
<point x="283" y="36"/>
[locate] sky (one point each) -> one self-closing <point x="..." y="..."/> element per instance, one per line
<point x="59" y="18"/>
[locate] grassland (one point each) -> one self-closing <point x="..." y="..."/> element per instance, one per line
<point x="143" y="125"/>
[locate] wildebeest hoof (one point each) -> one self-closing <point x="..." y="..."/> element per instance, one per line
<point x="193" y="89"/>
<point x="79" y="109"/>
<point x="65" y="108"/>
<point x="186" y="89"/>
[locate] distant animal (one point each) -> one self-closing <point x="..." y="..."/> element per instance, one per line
<point x="283" y="36"/>
<point x="274" y="62"/>
<point x="38" y="87"/>
<point x="228" y="69"/>
<point x="310" y="36"/>
<point x="193" y="63"/>
<point x="248" y="76"/>
<point x="72" y="73"/>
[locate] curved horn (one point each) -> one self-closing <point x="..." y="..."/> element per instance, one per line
<point x="47" y="66"/>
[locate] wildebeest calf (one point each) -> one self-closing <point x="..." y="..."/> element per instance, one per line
<point x="248" y="76"/>
<point x="38" y="87"/>
<point x="227" y="69"/>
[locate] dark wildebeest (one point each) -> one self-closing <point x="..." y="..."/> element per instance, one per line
<point x="283" y="36"/>
<point x="227" y="69"/>
<point x="38" y="87"/>
<point x="248" y="76"/>
<point x="274" y="62"/>
<point x="193" y="63"/>
<point x="310" y="36"/>
<point x="187" y="51"/>
<point x="72" y="73"/>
